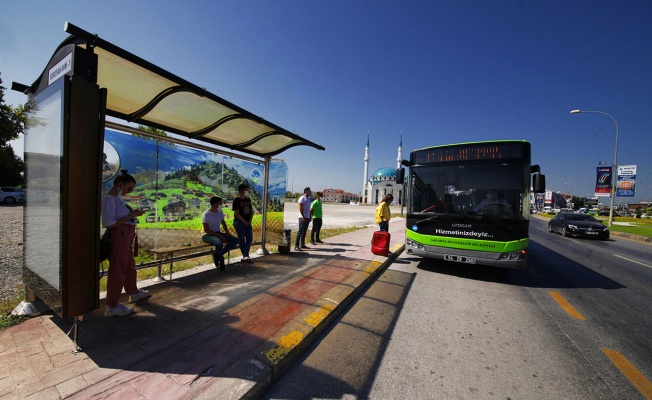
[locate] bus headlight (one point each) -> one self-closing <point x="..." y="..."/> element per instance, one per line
<point x="514" y="255"/>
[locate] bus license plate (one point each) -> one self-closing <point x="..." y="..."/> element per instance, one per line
<point x="460" y="259"/>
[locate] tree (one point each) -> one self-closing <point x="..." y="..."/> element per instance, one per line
<point x="13" y="122"/>
<point x="149" y="129"/>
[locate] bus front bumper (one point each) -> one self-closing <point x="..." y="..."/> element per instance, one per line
<point x="514" y="259"/>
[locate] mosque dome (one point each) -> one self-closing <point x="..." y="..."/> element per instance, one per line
<point x="383" y="174"/>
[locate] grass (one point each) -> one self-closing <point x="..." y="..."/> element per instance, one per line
<point x="7" y="320"/>
<point x="641" y="230"/>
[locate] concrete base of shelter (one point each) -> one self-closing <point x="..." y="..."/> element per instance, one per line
<point x="30" y="308"/>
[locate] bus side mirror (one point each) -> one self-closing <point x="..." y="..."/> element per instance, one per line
<point x="538" y="183"/>
<point x="400" y="175"/>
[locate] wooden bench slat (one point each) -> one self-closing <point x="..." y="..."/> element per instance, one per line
<point x="173" y="249"/>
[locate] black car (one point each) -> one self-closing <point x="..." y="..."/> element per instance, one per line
<point x="571" y="224"/>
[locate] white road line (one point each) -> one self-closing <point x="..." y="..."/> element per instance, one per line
<point x="634" y="261"/>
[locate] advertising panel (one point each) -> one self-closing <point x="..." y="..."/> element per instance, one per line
<point x="626" y="182"/>
<point x="603" y="181"/>
<point x="175" y="184"/>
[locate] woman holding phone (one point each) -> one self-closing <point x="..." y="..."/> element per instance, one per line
<point x="121" y="221"/>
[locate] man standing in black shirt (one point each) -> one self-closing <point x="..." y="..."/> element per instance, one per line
<point x="243" y="214"/>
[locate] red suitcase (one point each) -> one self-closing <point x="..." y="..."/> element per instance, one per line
<point x="380" y="243"/>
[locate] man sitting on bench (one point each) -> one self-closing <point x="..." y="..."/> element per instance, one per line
<point x="211" y="220"/>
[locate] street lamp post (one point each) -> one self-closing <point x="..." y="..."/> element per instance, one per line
<point x="614" y="171"/>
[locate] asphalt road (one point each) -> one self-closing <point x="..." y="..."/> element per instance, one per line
<point x="566" y="327"/>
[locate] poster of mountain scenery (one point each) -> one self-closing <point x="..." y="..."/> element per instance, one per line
<point x="174" y="184"/>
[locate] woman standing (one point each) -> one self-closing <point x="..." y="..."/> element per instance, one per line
<point x="121" y="221"/>
<point x="383" y="213"/>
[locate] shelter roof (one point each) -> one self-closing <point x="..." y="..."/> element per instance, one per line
<point x="141" y="92"/>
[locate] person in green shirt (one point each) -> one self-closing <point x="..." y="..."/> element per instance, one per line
<point x="316" y="214"/>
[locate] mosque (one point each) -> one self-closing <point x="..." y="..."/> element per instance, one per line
<point x="383" y="181"/>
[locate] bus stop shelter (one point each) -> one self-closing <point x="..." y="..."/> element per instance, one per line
<point x="86" y="80"/>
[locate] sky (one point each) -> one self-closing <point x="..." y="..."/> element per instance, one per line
<point x="431" y="72"/>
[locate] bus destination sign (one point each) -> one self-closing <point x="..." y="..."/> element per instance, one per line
<point x="471" y="152"/>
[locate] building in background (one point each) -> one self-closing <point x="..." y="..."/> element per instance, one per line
<point x="339" y="196"/>
<point x="383" y="181"/>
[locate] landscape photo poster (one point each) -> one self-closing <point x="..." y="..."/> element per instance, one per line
<point x="175" y="182"/>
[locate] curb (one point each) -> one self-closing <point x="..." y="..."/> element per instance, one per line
<point x="251" y="376"/>
<point x="633" y="237"/>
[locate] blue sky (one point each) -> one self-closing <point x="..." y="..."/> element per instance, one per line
<point x="438" y="71"/>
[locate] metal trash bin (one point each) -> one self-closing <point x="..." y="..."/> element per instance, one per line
<point x="287" y="242"/>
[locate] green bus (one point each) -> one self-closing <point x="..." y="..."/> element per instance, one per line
<point x="470" y="202"/>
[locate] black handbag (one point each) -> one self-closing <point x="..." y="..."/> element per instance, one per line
<point x="105" y="245"/>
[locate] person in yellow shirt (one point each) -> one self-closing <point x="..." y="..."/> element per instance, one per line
<point x="383" y="213"/>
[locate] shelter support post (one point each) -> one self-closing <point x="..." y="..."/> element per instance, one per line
<point x="263" y="238"/>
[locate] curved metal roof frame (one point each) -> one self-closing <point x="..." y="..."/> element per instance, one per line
<point x="141" y="92"/>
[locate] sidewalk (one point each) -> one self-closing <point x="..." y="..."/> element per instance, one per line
<point x="207" y="334"/>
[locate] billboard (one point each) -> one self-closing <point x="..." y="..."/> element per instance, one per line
<point x="626" y="182"/>
<point x="176" y="182"/>
<point x="603" y="182"/>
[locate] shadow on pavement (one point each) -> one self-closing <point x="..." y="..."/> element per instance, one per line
<point x="316" y="375"/>
<point x="551" y="270"/>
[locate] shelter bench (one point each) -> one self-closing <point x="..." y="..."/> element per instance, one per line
<point x="166" y="254"/>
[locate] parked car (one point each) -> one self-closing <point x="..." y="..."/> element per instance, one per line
<point x="11" y="195"/>
<point x="572" y="224"/>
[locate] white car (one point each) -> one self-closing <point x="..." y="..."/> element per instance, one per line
<point x="11" y="195"/>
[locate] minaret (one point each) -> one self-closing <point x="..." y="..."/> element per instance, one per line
<point x="366" y="172"/>
<point x="400" y="153"/>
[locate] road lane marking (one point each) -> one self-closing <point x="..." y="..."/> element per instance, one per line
<point x="634" y="261"/>
<point x="566" y="305"/>
<point x="643" y="385"/>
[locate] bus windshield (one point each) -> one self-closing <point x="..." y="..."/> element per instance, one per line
<point x="492" y="190"/>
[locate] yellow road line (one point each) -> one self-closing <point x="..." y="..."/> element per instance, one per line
<point x="566" y="305"/>
<point x="642" y="384"/>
